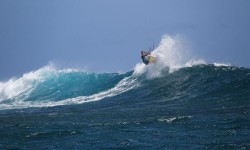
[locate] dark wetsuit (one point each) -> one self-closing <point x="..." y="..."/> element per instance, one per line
<point x="144" y="60"/>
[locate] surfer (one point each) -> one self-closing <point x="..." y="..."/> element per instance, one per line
<point x="144" y="58"/>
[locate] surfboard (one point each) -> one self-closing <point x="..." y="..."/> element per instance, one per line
<point x="152" y="59"/>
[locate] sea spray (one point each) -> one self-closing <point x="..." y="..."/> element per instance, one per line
<point x="172" y="54"/>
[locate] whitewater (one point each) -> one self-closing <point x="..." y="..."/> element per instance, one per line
<point x="180" y="102"/>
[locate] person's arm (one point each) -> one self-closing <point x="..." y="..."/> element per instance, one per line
<point x="147" y="53"/>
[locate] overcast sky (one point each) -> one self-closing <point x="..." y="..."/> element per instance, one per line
<point x="107" y="35"/>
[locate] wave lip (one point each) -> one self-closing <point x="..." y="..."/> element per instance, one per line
<point x="15" y="87"/>
<point x="216" y="64"/>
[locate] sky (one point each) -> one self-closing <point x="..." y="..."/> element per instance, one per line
<point x="107" y="36"/>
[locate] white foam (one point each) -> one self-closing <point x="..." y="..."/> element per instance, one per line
<point x="169" y="120"/>
<point x="139" y="69"/>
<point x="172" y="54"/>
<point x="194" y="63"/>
<point x="221" y="64"/>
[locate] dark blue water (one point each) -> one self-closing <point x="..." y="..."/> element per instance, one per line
<point x="200" y="107"/>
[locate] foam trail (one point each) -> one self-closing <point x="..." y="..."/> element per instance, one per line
<point x="172" y="54"/>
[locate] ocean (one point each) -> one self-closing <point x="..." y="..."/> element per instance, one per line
<point x="204" y="106"/>
<point x="180" y="102"/>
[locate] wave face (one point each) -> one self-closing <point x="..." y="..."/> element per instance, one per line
<point x="214" y="87"/>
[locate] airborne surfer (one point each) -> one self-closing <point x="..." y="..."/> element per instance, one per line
<point x="147" y="58"/>
<point x="144" y="58"/>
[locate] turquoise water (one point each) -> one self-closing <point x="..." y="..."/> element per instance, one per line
<point x="199" y="107"/>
